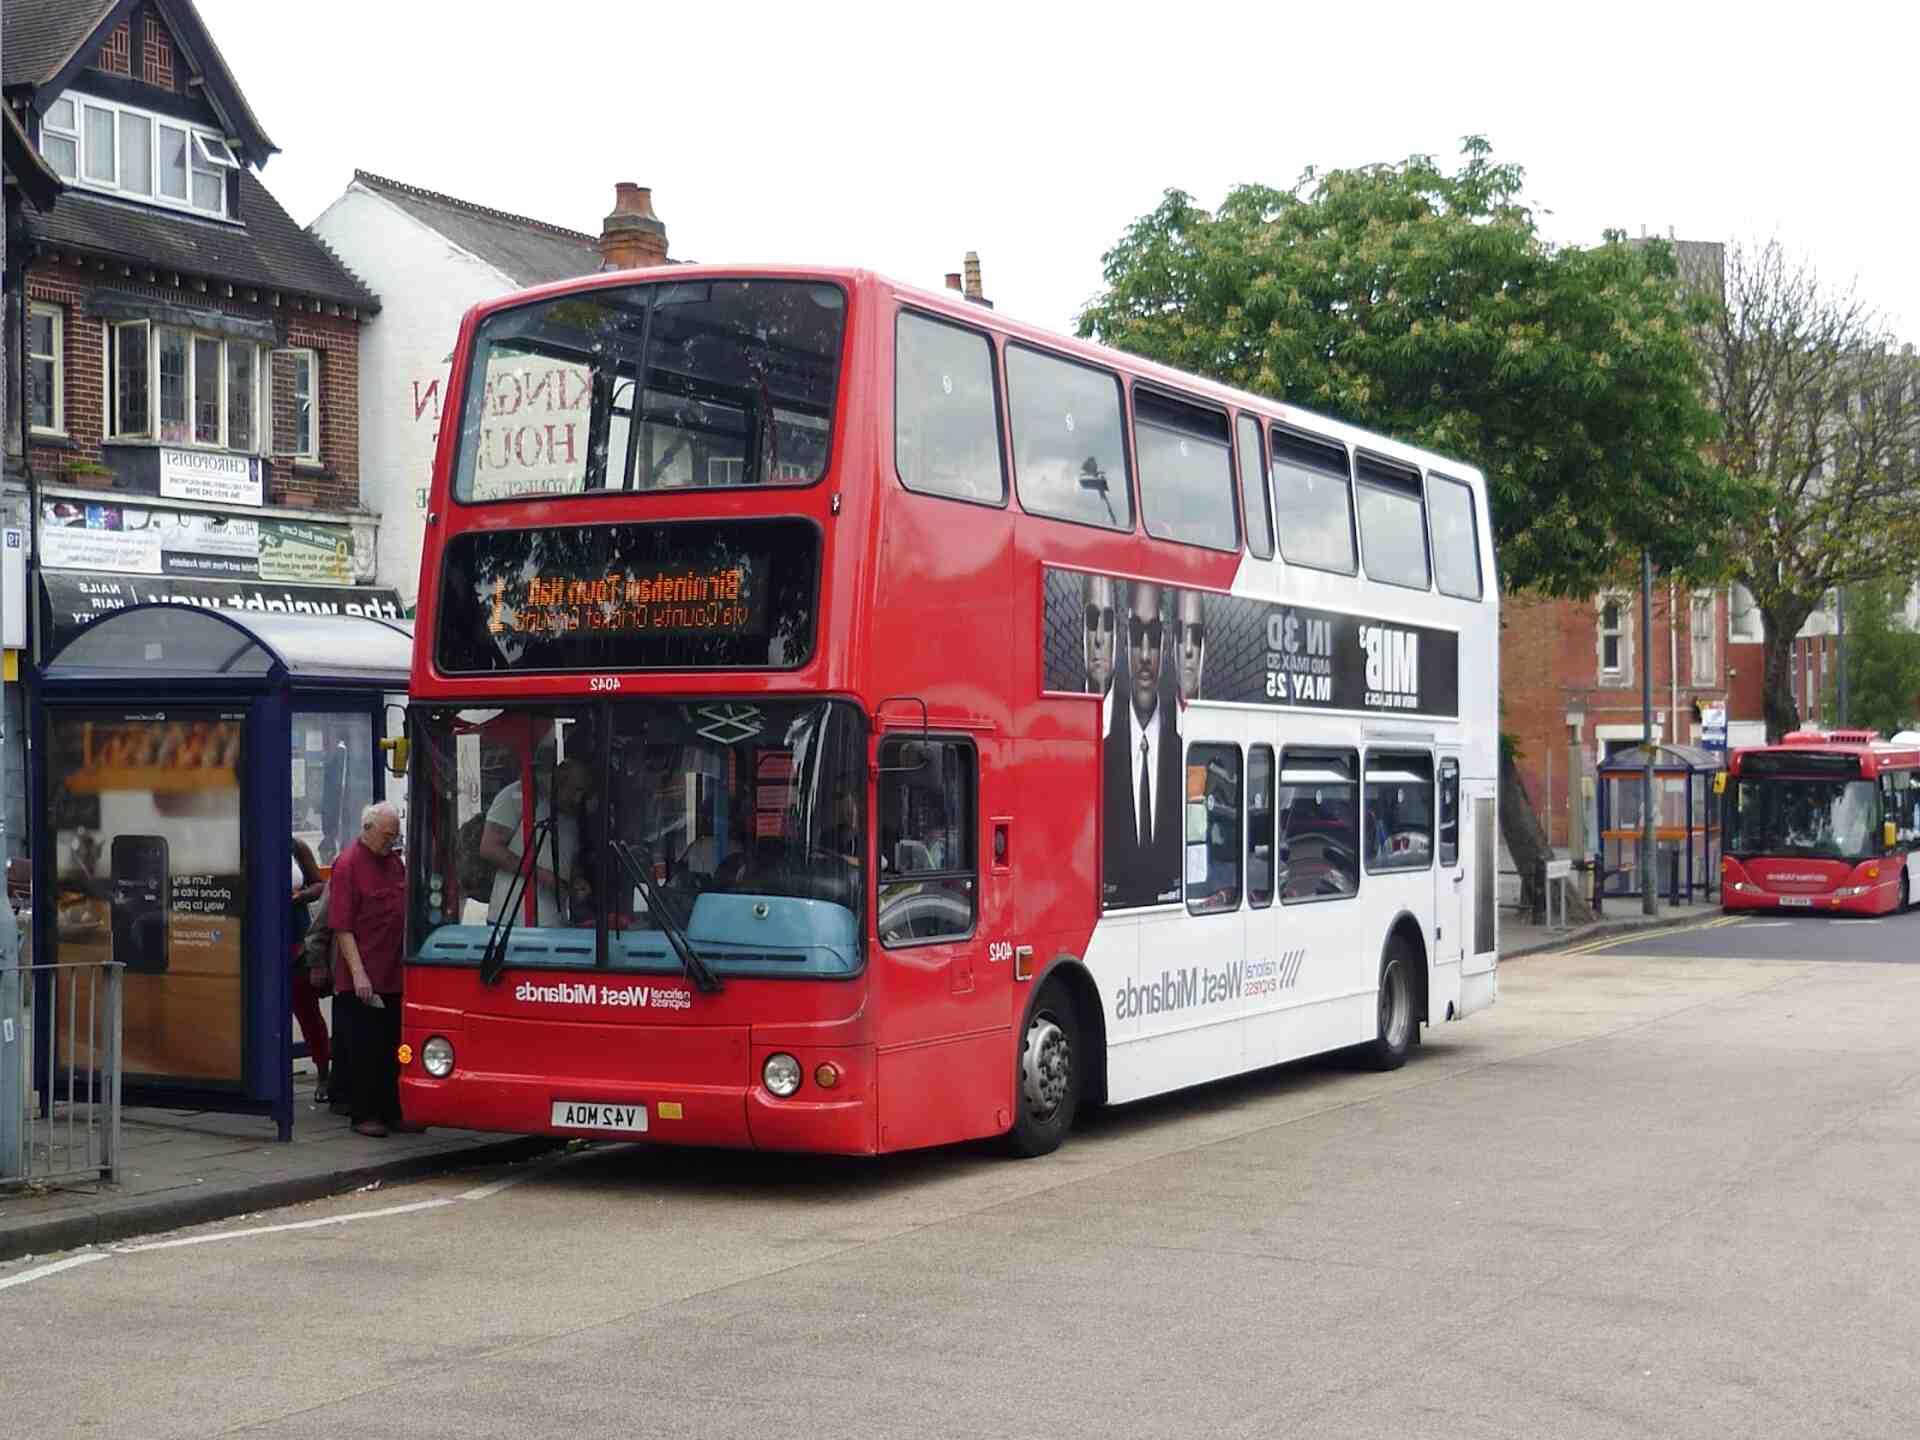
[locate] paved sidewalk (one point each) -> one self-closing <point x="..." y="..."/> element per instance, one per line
<point x="186" y="1167"/>
<point x="1621" y="916"/>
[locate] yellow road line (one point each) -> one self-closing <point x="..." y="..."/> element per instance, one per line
<point x="1607" y="941"/>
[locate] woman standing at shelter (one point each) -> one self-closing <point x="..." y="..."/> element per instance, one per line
<point x="307" y="886"/>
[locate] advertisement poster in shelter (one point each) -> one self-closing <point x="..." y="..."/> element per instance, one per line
<point x="145" y="815"/>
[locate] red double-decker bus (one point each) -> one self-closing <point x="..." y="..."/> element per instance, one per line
<point x="1824" y="820"/>
<point x="845" y="719"/>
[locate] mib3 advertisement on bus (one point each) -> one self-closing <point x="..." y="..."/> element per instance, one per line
<point x="146" y="816"/>
<point x="1151" y="650"/>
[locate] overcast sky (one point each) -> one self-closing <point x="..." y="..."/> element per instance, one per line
<point x="900" y="137"/>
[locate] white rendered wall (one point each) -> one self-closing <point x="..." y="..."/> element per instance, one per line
<point x="425" y="284"/>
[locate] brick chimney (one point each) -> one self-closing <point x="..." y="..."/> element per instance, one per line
<point x="973" y="291"/>
<point x="632" y="237"/>
<point x="953" y="279"/>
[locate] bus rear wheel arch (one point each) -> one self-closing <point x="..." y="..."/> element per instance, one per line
<point x="1397" y="1020"/>
<point x="1057" y="1061"/>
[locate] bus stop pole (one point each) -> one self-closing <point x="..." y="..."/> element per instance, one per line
<point x="1648" y="901"/>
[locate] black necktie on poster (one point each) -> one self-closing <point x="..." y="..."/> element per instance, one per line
<point x="1146" y="797"/>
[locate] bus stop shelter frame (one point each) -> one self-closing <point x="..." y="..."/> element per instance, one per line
<point x="1695" y="839"/>
<point x="263" y="667"/>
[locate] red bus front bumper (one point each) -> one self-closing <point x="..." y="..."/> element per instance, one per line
<point x="1870" y="888"/>
<point x="743" y="1115"/>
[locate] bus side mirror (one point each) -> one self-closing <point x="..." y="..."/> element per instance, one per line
<point x="397" y="749"/>
<point x="1889" y="835"/>
<point x="1720" y="782"/>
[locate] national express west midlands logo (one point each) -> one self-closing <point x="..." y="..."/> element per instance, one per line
<point x="1393" y="667"/>
<point x="1196" y="985"/>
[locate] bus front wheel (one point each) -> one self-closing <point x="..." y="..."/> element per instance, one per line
<point x="1049" y="1073"/>
<point x="1394" y="1028"/>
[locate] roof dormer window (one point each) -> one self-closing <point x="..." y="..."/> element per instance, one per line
<point x="106" y="146"/>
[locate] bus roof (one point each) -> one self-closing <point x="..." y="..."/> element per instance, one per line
<point x="956" y="307"/>
<point x="1872" y="753"/>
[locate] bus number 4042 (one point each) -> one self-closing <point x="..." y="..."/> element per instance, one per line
<point x="604" y="682"/>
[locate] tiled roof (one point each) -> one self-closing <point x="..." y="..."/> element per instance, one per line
<point x="37" y="36"/>
<point x="269" y="252"/>
<point x="528" y="252"/>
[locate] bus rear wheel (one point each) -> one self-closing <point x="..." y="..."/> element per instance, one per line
<point x="1048" y="1077"/>
<point x="1394" y="1027"/>
<point x="1905" y="897"/>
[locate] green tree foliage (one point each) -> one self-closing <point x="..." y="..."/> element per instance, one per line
<point x="1883" y="660"/>
<point x="1426" y="305"/>
<point x="1820" y="417"/>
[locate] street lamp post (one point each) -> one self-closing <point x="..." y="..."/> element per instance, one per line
<point x="1648" y="905"/>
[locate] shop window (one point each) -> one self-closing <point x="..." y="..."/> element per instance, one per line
<point x="46" y="376"/>
<point x="296" y="405"/>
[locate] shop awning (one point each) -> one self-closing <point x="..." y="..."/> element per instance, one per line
<point x="71" y="600"/>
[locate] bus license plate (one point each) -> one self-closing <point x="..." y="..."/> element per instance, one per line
<point x="1796" y="900"/>
<point x="586" y="1115"/>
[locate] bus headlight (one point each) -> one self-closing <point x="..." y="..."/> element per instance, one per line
<point x="781" y="1074"/>
<point x="437" y="1056"/>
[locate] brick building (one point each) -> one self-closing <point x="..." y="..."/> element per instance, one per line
<point x="190" y="355"/>
<point x="183" y="357"/>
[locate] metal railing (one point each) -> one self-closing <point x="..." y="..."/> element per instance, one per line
<point x="60" y="1072"/>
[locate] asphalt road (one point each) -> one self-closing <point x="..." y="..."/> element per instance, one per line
<point x="1643" y="1196"/>
<point x="1787" y="935"/>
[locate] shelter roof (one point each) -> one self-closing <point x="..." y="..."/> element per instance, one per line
<point x="184" y="642"/>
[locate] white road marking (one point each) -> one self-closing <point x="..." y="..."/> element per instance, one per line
<point x="1768" y="924"/>
<point x="478" y="1192"/>
<point x="44" y="1270"/>
<point x="279" y="1229"/>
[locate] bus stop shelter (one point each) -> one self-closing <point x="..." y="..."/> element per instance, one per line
<point x="1686" y="828"/>
<point x="180" y="750"/>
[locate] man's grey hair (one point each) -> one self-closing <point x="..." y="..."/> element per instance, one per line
<point x="378" y="810"/>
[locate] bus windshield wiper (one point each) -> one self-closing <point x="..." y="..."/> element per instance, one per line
<point x="698" y="971"/>
<point x="493" y="959"/>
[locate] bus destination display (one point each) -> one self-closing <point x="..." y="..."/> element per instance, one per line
<point x="719" y="600"/>
<point x="682" y="595"/>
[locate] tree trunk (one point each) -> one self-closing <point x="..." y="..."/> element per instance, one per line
<point x="1527" y="842"/>
<point x="1781" y="712"/>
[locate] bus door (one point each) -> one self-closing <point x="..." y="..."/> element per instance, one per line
<point x="1451" y="894"/>
<point x="942" y="903"/>
<point x="1479" y="841"/>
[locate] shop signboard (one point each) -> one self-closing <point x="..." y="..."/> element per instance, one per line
<point x="209" y="475"/>
<point x="133" y="540"/>
<point x="304" y="554"/>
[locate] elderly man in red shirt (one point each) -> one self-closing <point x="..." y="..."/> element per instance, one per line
<point x="367" y="905"/>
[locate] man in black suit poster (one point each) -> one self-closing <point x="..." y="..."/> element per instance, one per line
<point x="1144" y="766"/>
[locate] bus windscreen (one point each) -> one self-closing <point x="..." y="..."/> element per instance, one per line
<point x="660" y="386"/>
<point x="688" y="595"/>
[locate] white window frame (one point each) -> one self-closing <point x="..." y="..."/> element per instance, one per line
<point x="70" y="133"/>
<point x="1621" y="674"/>
<point x="1734" y="636"/>
<point x="1709" y="633"/>
<point x="58" y="357"/>
<point x="208" y="154"/>
<point x="152" y="433"/>
<point x="288" y="447"/>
